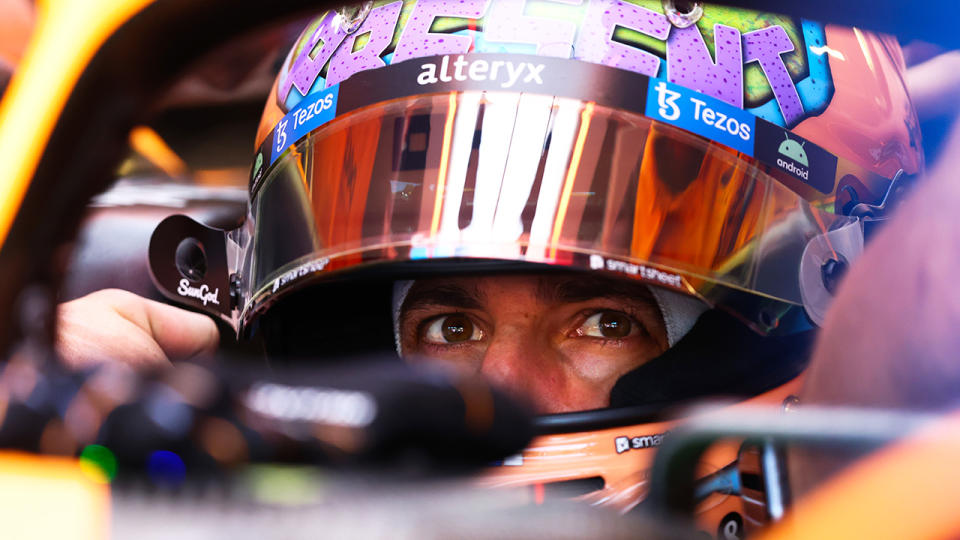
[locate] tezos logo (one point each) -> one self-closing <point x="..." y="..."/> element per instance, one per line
<point x="505" y="72"/>
<point x="702" y="115"/>
<point x="281" y="135"/>
<point x="667" y="99"/>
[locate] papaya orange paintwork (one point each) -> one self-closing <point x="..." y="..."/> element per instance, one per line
<point x="67" y="35"/>
<point x="907" y="490"/>
<point x="571" y="456"/>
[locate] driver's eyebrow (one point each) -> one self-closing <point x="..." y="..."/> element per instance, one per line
<point x="448" y="295"/>
<point x="584" y="288"/>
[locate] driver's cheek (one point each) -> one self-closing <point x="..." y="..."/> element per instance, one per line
<point x="538" y="372"/>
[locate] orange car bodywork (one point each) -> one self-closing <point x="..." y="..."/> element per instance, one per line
<point x="552" y="459"/>
<point x="907" y="490"/>
<point x="861" y="503"/>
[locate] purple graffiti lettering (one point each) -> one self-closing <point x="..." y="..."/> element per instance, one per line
<point x="380" y="23"/>
<point x="507" y="23"/>
<point x="766" y="46"/>
<point x="306" y="68"/>
<point x="689" y="62"/>
<point x="416" y="40"/>
<point x="594" y="43"/>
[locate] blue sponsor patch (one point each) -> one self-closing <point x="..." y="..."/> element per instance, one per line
<point x="309" y="114"/>
<point x="701" y="114"/>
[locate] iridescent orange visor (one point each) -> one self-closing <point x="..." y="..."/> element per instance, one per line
<point x="538" y="179"/>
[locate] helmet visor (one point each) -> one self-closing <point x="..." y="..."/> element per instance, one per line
<point x="542" y="179"/>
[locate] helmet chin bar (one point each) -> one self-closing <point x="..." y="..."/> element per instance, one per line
<point x="827" y="257"/>
<point x="719" y="356"/>
<point x="188" y="264"/>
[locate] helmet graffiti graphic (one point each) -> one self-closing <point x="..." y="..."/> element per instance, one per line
<point x="698" y="153"/>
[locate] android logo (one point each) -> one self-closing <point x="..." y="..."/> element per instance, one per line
<point x="793" y="150"/>
<point x="257" y="164"/>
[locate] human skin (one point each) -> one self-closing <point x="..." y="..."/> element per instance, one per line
<point x="118" y="326"/>
<point x="16" y="24"/>
<point x="559" y="342"/>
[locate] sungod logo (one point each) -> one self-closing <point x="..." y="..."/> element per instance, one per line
<point x="506" y="72"/>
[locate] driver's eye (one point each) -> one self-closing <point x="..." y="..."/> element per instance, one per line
<point x="456" y="328"/>
<point x="608" y="324"/>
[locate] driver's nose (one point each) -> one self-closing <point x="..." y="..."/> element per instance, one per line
<point x="522" y="365"/>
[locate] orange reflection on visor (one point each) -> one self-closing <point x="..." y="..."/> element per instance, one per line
<point x="532" y="178"/>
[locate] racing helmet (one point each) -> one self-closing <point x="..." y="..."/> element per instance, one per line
<point x="724" y="158"/>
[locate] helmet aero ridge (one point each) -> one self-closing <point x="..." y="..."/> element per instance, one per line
<point x="700" y="158"/>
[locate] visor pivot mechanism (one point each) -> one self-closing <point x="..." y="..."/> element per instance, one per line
<point x="832" y="271"/>
<point x="188" y="264"/>
<point x="874" y="215"/>
<point x="895" y="192"/>
<point x="823" y="264"/>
